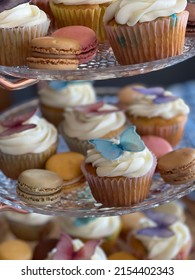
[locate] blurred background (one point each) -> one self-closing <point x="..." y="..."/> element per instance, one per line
<point x="182" y="74"/>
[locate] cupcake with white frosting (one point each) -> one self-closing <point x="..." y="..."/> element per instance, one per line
<point x="81" y="12"/>
<point x="26" y="142"/>
<point x="160" y="236"/>
<point x="106" y="229"/>
<point x="159" y="112"/>
<point x="58" y="95"/>
<point x="119" y="171"/>
<point x="98" y="120"/>
<point x="141" y="31"/>
<point x="20" y="22"/>
<point x="29" y="227"/>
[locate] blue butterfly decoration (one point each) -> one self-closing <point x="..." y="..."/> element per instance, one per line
<point x="129" y="141"/>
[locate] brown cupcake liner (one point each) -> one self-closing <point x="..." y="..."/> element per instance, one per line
<point x="13" y="165"/>
<point x="15" y="43"/>
<point x="91" y="17"/>
<point x="148" y="41"/>
<point x="173" y="133"/>
<point x="52" y="114"/>
<point x="119" y="191"/>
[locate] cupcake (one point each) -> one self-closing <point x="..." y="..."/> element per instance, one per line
<point x="105" y="228"/>
<point x="82" y="123"/>
<point x="141" y="31"/>
<point x="29" y="227"/>
<point x="58" y="95"/>
<point x="81" y="12"/>
<point x="19" y="24"/>
<point x="26" y="142"/>
<point x="160" y="237"/>
<point x="44" y="6"/>
<point x="66" y="248"/>
<point x="119" y="171"/>
<point x="159" y="113"/>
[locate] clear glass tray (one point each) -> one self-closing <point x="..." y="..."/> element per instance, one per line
<point x="80" y="203"/>
<point x="104" y="66"/>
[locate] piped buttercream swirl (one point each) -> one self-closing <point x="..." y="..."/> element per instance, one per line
<point x="134" y="11"/>
<point x="35" y="140"/>
<point x="130" y="164"/>
<point x="84" y="127"/>
<point x="22" y="15"/>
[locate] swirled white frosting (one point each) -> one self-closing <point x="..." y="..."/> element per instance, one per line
<point x="129" y="164"/>
<point x="84" y="127"/>
<point x="131" y="12"/>
<point x="35" y="140"/>
<point x="144" y="107"/>
<point x="22" y="15"/>
<point x="164" y="248"/>
<point x="69" y="95"/>
<point x="81" y="2"/>
<point x="78" y="244"/>
<point x="28" y="219"/>
<point x="94" y="229"/>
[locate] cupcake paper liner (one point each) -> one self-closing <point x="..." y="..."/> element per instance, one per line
<point x="173" y="133"/>
<point x="119" y="191"/>
<point x="13" y="165"/>
<point x="72" y="15"/>
<point x="82" y="146"/>
<point x="15" y="43"/>
<point x="148" y="41"/>
<point x="53" y="115"/>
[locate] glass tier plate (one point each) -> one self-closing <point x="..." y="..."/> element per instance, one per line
<point x="80" y="203"/>
<point x="103" y="66"/>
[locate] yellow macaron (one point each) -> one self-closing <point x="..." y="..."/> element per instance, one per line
<point x="15" y="250"/>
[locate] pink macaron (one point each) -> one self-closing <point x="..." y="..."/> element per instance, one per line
<point x="86" y="38"/>
<point x="159" y="146"/>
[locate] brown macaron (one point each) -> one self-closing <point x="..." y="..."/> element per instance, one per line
<point x="177" y="167"/>
<point x="54" y="53"/>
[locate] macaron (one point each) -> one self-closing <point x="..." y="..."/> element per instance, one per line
<point x="157" y="145"/>
<point x="190" y="30"/>
<point x="15" y="250"/>
<point x="54" y="53"/>
<point x="84" y="36"/>
<point x="177" y="167"/>
<point x="68" y="166"/>
<point x="127" y="94"/>
<point x="39" y="187"/>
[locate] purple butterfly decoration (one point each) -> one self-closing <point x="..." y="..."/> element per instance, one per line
<point x="162" y="220"/>
<point x="159" y="94"/>
<point x="65" y="249"/>
<point x="15" y="124"/>
<point x="94" y="109"/>
<point x="10" y="4"/>
<point x="129" y="141"/>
